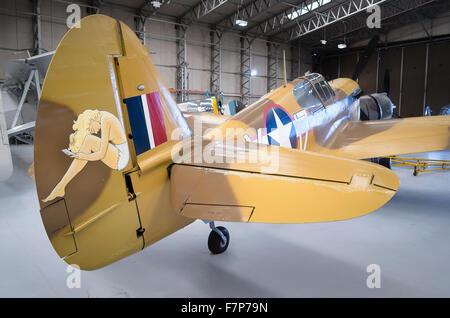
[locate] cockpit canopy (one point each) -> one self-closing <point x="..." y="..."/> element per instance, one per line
<point x="313" y="90"/>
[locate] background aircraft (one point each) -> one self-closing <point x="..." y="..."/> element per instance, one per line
<point x="445" y="111"/>
<point x="23" y="82"/>
<point x="6" y="167"/>
<point x="117" y="165"/>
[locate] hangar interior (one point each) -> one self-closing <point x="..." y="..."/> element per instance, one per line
<point x="244" y="49"/>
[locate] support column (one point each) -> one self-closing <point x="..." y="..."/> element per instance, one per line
<point x="272" y="66"/>
<point x="139" y="23"/>
<point x="377" y="89"/>
<point x="182" y="76"/>
<point x="425" y="90"/>
<point x="37" y="35"/>
<point x="295" y="62"/>
<point x="402" y="62"/>
<point x="216" y="61"/>
<point x="246" y="77"/>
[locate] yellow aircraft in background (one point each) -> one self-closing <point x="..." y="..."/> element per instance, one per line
<point x="118" y="167"/>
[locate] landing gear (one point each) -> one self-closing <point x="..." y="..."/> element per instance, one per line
<point x="218" y="239"/>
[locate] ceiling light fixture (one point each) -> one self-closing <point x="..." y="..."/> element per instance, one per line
<point x="241" y="23"/>
<point x="343" y="45"/>
<point x="305" y="8"/>
<point x="253" y="73"/>
<point x="156" y="4"/>
<point x="324" y="40"/>
<point x="239" y="18"/>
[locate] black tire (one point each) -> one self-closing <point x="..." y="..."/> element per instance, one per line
<point x="385" y="162"/>
<point x="415" y="173"/>
<point x="215" y="244"/>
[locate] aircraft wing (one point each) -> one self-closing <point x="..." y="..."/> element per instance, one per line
<point x="18" y="70"/>
<point x="275" y="185"/>
<point x="380" y="138"/>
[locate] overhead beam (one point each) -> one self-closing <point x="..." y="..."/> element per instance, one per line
<point x="147" y="8"/>
<point x="201" y="9"/>
<point x="248" y="12"/>
<point x="287" y="17"/>
<point x="330" y="16"/>
<point x="144" y="7"/>
<point x="144" y="11"/>
<point x="357" y="26"/>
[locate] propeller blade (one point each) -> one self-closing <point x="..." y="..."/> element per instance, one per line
<point x="364" y="59"/>
<point x="387" y="82"/>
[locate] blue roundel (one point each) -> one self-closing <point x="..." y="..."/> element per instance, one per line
<point x="280" y="128"/>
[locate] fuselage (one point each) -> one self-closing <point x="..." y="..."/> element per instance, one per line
<point x="304" y="114"/>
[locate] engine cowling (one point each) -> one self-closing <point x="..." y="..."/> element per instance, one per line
<point x="375" y="107"/>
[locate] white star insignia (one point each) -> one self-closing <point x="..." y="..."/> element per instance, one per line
<point x="282" y="134"/>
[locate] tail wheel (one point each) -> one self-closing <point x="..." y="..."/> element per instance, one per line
<point x="217" y="243"/>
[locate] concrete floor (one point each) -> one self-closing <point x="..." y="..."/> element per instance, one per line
<point x="409" y="238"/>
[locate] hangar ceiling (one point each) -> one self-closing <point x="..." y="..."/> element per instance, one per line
<point x="286" y="20"/>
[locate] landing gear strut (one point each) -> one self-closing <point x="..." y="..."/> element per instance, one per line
<point x="218" y="239"/>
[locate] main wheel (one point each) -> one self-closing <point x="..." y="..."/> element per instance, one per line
<point x="385" y="162"/>
<point x="215" y="242"/>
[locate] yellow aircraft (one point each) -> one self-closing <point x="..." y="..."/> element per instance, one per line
<point x="118" y="167"/>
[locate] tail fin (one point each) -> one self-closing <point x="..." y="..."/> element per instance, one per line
<point x="103" y="106"/>
<point x="143" y="86"/>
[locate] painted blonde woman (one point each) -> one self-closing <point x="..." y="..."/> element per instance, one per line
<point x="111" y="148"/>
